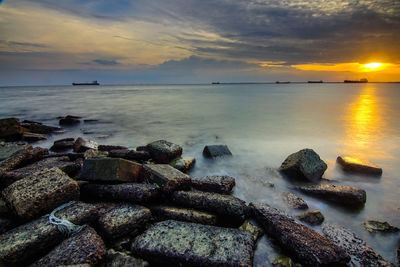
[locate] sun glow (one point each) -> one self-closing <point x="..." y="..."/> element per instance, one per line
<point x="373" y="66"/>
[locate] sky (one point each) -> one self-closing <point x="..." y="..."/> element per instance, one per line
<point x="187" y="41"/>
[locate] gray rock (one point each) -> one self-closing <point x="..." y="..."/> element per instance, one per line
<point x="166" y="177"/>
<point x="304" y="244"/>
<point x="120" y="259"/>
<point x="216" y="183"/>
<point x="304" y="164"/>
<point x="352" y="165"/>
<point x="163" y="151"/>
<point x="373" y="226"/>
<point x="62" y="144"/>
<point x="33" y="137"/>
<point x="190" y="244"/>
<point x="215" y="151"/>
<point x="39" y="128"/>
<point x="108" y="148"/>
<point x="250" y="227"/>
<point x="23" y="157"/>
<point x="11" y="129"/>
<point x="69" y="120"/>
<point x="313" y="217"/>
<point x="137" y="155"/>
<point x="7" y="150"/>
<point x="162" y="213"/>
<point x="91" y="153"/>
<point x="346" y="195"/>
<point x="361" y="254"/>
<point x="183" y="164"/>
<point x="293" y="201"/>
<point x="81" y="145"/>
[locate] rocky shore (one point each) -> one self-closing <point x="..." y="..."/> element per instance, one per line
<point x="88" y="204"/>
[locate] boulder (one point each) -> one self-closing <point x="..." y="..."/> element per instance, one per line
<point x="304" y="164"/>
<point x="361" y="254"/>
<point x="39" y="128"/>
<point x="40" y="193"/>
<point x="163" y="151"/>
<point x="123" y="220"/>
<point x="10" y="129"/>
<point x="216" y="183"/>
<point x="183" y="164"/>
<point x="374" y="226"/>
<point x="162" y="213"/>
<point x="7" y="150"/>
<point x="137" y="155"/>
<point x="109" y="148"/>
<point x="118" y="153"/>
<point x="85" y="247"/>
<point x="119" y="259"/>
<point x="62" y="144"/>
<point x="91" y="153"/>
<point x="166" y="177"/>
<point x="215" y="151"/>
<point x="111" y="169"/>
<point x="23" y="157"/>
<point x="341" y="194"/>
<point x="250" y="227"/>
<point x="4" y="210"/>
<point x="5" y="224"/>
<point x="284" y="262"/>
<point x="190" y="244"/>
<point x="142" y="148"/>
<point x="353" y="165"/>
<point x="293" y="201"/>
<point x="69" y="120"/>
<point x="304" y="244"/>
<point x="312" y="217"/>
<point x="81" y="145"/>
<point x="75" y="156"/>
<point x="33" y="137"/>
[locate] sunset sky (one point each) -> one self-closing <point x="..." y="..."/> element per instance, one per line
<point x="189" y="41"/>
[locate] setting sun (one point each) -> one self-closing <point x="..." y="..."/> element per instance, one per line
<point x="372" y="66"/>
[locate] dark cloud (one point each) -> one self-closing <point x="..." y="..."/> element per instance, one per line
<point x="106" y="62"/>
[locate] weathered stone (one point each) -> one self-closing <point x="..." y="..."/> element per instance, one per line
<point x="69" y="120"/>
<point x="33" y="240"/>
<point x="11" y="129"/>
<point x="361" y="254"/>
<point x="33" y="137"/>
<point x="216" y="183"/>
<point x="137" y="155"/>
<point x="75" y="156"/>
<point x="293" y="201"/>
<point x="111" y="169"/>
<point x="283" y="262"/>
<point x="215" y="151"/>
<point x="163" y="151"/>
<point x="166" y="177"/>
<point x="39" y="128"/>
<point x="123" y="220"/>
<point x="119" y="259"/>
<point x="190" y="244"/>
<point x="83" y="247"/>
<point x="162" y="213"/>
<point x="40" y="193"/>
<point x="142" y="148"/>
<point x="373" y="226"/>
<point x="4" y="210"/>
<point x="7" y="150"/>
<point x="353" y="165"/>
<point x="5" y="224"/>
<point x="313" y="217"/>
<point x="183" y="164"/>
<point x="81" y="145"/>
<point x="62" y="144"/>
<point x="138" y="193"/>
<point x="118" y="153"/>
<point x="250" y="227"/>
<point x="304" y="164"/>
<point x="346" y="195"/>
<point x="304" y="244"/>
<point x="108" y="148"/>
<point x="91" y="153"/>
<point x="17" y="159"/>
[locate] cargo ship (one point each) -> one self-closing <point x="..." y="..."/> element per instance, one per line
<point x="278" y="82"/>
<point x="356" y="81"/>
<point x="320" y="81"/>
<point x="92" y="83"/>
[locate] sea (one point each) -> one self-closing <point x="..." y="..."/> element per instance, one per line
<point x="260" y="123"/>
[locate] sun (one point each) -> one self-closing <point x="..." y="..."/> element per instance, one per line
<point x="373" y="66"/>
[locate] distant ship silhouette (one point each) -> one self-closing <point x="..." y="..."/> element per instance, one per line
<point x="92" y="83"/>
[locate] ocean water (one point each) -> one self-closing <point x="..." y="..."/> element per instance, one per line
<point x="261" y="123"/>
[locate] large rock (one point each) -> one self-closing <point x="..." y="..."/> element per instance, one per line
<point x="39" y="128"/>
<point x="304" y="164"/>
<point x="341" y="194"/>
<point x="7" y="150"/>
<point x="216" y="183"/>
<point x="120" y="259"/>
<point x="62" y="144"/>
<point x="111" y="169"/>
<point x="293" y="201"/>
<point x="40" y="193"/>
<point x="11" y="129"/>
<point x="183" y="164"/>
<point x="166" y="177"/>
<point x="109" y="148"/>
<point x="374" y="226"/>
<point x="190" y="244"/>
<point x="69" y="120"/>
<point x="83" y="247"/>
<point x="353" y="165"/>
<point x="163" y="151"/>
<point x="23" y="157"/>
<point x="215" y="151"/>
<point x="33" y="240"/>
<point x="305" y="245"/>
<point x="91" y="153"/>
<point x="140" y="156"/>
<point x="312" y="217"/>
<point x="123" y="220"/>
<point x="5" y="224"/>
<point x="253" y="229"/>
<point x="361" y="254"/>
<point x="33" y="137"/>
<point x="162" y="213"/>
<point x="81" y="145"/>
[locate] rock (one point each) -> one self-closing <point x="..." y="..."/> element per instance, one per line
<point x="190" y="244"/>
<point x="81" y="145"/>
<point x="91" y="153"/>
<point x="216" y="183"/>
<point x="398" y="255"/>
<point x="18" y="159"/>
<point x="119" y="259"/>
<point x="4" y="210"/>
<point x="40" y="193"/>
<point x="313" y="217"/>
<point x="85" y="247"/>
<point x="33" y="240"/>
<point x="118" y="153"/>
<point x="111" y="169"/>
<point x="62" y="144"/>
<point x="123" y="220"/>
<point x="162" y="213"/>
<point x="69" y="120"/>
<point x="353" y="165"/>
<point x="183" y="164"/>
<point x="33" y="137"/>
<point x="166" y="177"/>
<point x="10" y="129"/>
<point x="5" y="224"/>
<point x="346" y="195"/>
<point x="256" y="231"/>
<point x="214" y="151"/>
<point x="304" y="244"/>
<point x="142" y="148"/>
<point x="361" y="254"/>
<point x="137" y="193"/>
<point x="163" y="151"/>
<point x="304" y="164"/>
<point x="373" y="226"/>
<point x="75" y="156"/>
<point x="293" y="201"/>
<point x="283" y="262"/>
<point x="137" y="155"/>
<point x="39" y="128"/>
<point x="7" y="150"/>
<point x="108" y="148"/>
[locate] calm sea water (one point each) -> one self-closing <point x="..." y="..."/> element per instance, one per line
<point x="261" y="124"/>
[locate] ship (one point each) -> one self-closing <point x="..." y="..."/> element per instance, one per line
<point x="320" y="81"/>
<point x="356" y="81"/>
<point x="215" y="83"/>
<point x="92" y="83"/>
<point x="278" y="82"/>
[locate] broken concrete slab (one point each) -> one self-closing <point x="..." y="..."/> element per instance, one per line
<point x="222" y="184"/>
<point x="162" y="213"/>
<point x="353" y="165"/>
<point x="163" y="151"/>
<point x="293" y="201"/>
<point x="167" y="177"/>
<point x="215" y="151"/>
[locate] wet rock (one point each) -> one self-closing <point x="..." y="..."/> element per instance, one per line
<point x="283" y="262"/>
<point x="33" y="137"/>
<point x="361" y="254"/>
<point x="10" y="129"/>
<point x="138" y="193"/>
<point x="119" y="259"/>
<point x="398" y="254"/>
<point x="5" y="224"/>
<point x="39" y="128"/>
<point x="85" y="247"/>
<point x="81" y="145"/>
<point x="33" y="240"/>
<point x="17" y="159"/>
<point x="40" y="193"/>
<point x="4" y="210"/>
<point x="304" y="244"/>
<point x="304" y="164"/>
<point x="250" y="227"/>
<point x="349" y="164"/>
<point x="111" y="169"/>
<point x="91" y="153"/>
<point x="293" y="201"/>
<point x="373" y="226"/>
<point x="7" y="150"/>
<point x="166" y="177"/>
<point x="163" y="151"/>
<point x="162" y="213"/>
<point x="215" y="151"/>
<point x="190" y="244"/>
<point x="118" y="153"/>
<point x="346" y="195"/>
<point x="142" y="148"/>
<point x="69" y="120"/>
<point x="75" y="156"/>
<point x="62" y="144"/>
<point x="216" y="183"/>
<point x="108" y="148"/>
<point x="313" y="217"/>
<point x="183" y="164"/>
<point x="123" y="220"/>
<point x="140" y="156"/>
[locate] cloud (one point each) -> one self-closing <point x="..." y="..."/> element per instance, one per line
<point x="105" y="62"/>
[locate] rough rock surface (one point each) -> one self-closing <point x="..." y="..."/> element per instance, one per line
<point x="10" y="128"/>
<point x="91" y="153"/>
<point x="108" y="148"/>
<point x="215" y="151"/>
<point x="39" y="128"/>
<point x="190" y="244"/>
<point x="313" y="217"/>
<point x="163" y="151"/>
<point x="81" y="145"/>
<point x="62" y="144"/>
<point x="216" y="183"/>
<point x="293" y="201"/>
<point x="119" y="259"/>
<point x="250" y="227"/>
<point x="5" y="224"/>
<point x="304" y="164"/>
<point x="23" y="157"/>
<point x="137" y="155"/>
<point x="162" y="213"/>
<point x="183" y="164"/>
<point x="349" y="164"/>
<point x="4" y="210"/>
<point x="166" y="176"/>
<point x="7" y="150"/>
<point x="304" y="244"/>
<point x="372" y="226"/>
<point x="69" y="120"/>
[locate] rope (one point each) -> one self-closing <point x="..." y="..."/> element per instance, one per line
<point x="66" y="227"/>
